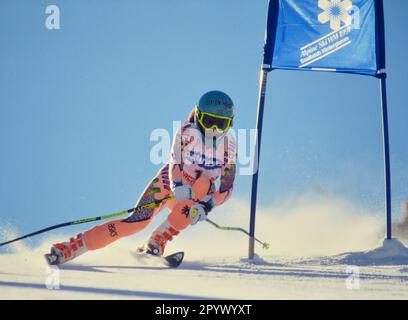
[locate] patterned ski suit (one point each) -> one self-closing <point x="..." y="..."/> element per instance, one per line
<point x="207" y="166"/>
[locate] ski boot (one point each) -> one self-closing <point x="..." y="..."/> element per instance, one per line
<point x="159" y="238"/>
<point x="154" y="250"/>
<point x="66" y="251"/>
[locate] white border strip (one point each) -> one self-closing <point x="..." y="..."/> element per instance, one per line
<point x="324" y="69"/>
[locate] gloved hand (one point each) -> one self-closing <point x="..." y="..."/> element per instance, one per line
<point x="198" y="212"/>
<point x="183" y="193"/>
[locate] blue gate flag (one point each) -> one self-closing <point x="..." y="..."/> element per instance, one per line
<point x="326" y="35"/>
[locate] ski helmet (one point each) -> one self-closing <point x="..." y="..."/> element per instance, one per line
<point x="216" y="102"/>
<point x="215" y="110"/>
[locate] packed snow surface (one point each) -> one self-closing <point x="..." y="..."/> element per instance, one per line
<point x="307" y="260"/>
<point x="98" y="276"/>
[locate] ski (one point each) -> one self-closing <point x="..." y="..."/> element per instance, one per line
<point x="172" y="261"/>
<point x="175" y="259"/>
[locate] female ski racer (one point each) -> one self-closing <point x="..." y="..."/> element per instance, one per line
<point x="198" y="177"/>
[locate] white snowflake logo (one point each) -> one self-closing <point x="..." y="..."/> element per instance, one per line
<point x="335" y="11"/>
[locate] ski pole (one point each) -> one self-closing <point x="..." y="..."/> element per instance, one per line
<point x="264" y="244"/>
<point x="154" y="204"/>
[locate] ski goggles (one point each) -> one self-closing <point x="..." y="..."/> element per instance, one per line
<point x="212" y="121"/>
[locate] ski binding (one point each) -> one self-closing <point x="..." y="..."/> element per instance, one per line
<point x="172" y="261"/>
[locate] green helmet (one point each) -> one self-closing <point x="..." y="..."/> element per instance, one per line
<point x="215" y="110"/>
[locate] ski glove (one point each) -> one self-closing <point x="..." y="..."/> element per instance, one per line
<point x="183" y="193"/>
<point x="199" y="211"/>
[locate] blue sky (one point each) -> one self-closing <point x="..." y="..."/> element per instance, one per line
<point x="77" y="105"/>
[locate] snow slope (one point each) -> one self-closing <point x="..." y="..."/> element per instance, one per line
<point x="25" y="277"/>
<point x="313" y="233"/>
